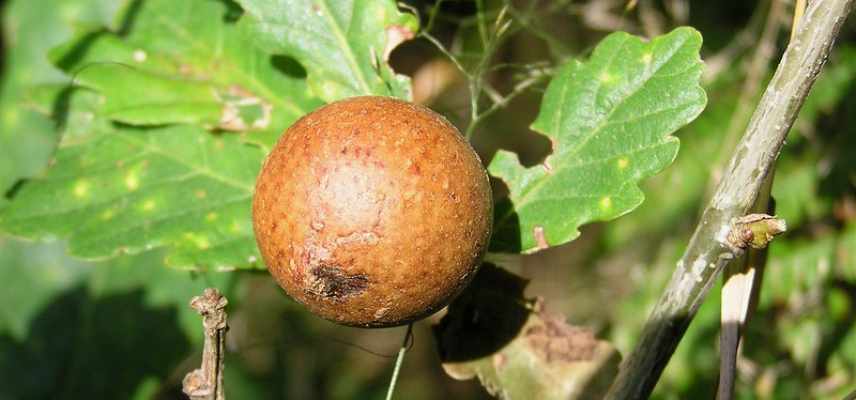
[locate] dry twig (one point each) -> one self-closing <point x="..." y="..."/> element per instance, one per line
<point x="206" y="382"/>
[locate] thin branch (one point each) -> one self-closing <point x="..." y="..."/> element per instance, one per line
<point x="709" y="250"/>
<point x="741" y="280"/>
<point x="741" y="287"/>
<point x="492" y="39"/>
<point x="206" y="383"/>
<point x="399" y="360"/>
<point x="503" y="101"/>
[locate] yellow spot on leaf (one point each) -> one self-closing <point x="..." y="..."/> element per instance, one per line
<point x="198" y="240"/>
<point x="81" y="189"/>
<point x="605" y="77"/>
<point x="10" y="117"/>
<point x="149" y="205"/>
<point x="108" y="214"/>
<point x="200" y="194"/>
<point x="606" y="203"/>
<point x="131" y="181"/>
<point x="622" y="163"/>
<point x="646" y="58"/>
<point x="212" y="216"/>
<point x="140" y="55"/>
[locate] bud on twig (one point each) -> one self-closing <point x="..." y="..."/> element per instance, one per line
<point x="755" y="231"/>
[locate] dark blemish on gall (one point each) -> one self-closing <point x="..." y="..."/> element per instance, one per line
<point x="331" y="282"/>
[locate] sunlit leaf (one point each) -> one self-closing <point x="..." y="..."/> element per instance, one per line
<point x="196" y="66"/>
<point x="129" y="190"/>
<point x="344" y="45"/>
<point x="30" y="29"/>
<point x="610" y="121"/>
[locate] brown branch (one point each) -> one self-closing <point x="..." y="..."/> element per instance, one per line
<point x="206" y="382"/>
<point x="709" y="251"/>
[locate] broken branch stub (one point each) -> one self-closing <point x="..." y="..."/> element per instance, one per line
<point x="206" y="382"/>
<point x="518" y="349"/>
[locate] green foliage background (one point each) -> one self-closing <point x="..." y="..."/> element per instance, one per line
<point x="115" y="149"/>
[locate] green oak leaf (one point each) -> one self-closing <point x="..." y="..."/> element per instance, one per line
<point x="704" y="145"/>
<point x="343" y="44"/>
<point x="138" y="167"/>
<point x="31" y="28"/>
<point x="610" y="121"/>
<point x="129" y="190"/>
<point x="194" y="66"/>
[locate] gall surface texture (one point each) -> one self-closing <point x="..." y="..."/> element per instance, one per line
<point x="372" y="212"/>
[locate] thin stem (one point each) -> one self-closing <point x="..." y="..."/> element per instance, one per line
<point x="741" y="287"/>
<point x="446" y="53"/>
<point x="500" y="103"/>
<point x="709" y="250"/>
<point x="741" y="281"/>
<point x="432" y="16"/>
<point x="491" y="41"/>
<point x="476" y="79"/>
<point x="482" y="25"/>
<point x="398" y="361"/>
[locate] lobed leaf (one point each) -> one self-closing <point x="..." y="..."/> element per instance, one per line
<point x="610" y="121"/>
<point x="28" y="136"/>
<point x="130" y="190"/>
<point x="138" y="167"/>
<point x="344" y="45"/>
<point x="184" y="62"/>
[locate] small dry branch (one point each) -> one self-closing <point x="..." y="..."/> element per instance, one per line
<point x="206" y="382"/>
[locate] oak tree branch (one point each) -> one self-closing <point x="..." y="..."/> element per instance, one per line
<point x="709" y="250"/>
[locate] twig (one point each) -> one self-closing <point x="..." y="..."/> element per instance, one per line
<point x="709" y="250"/>
<point x="206" y="383"/>
<point x="741" y="280"/>
<point x="398" y="361"/>
<point x="799" y="9"/>
<point x="503" y="101"/>
<point x="741" y="288"/>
